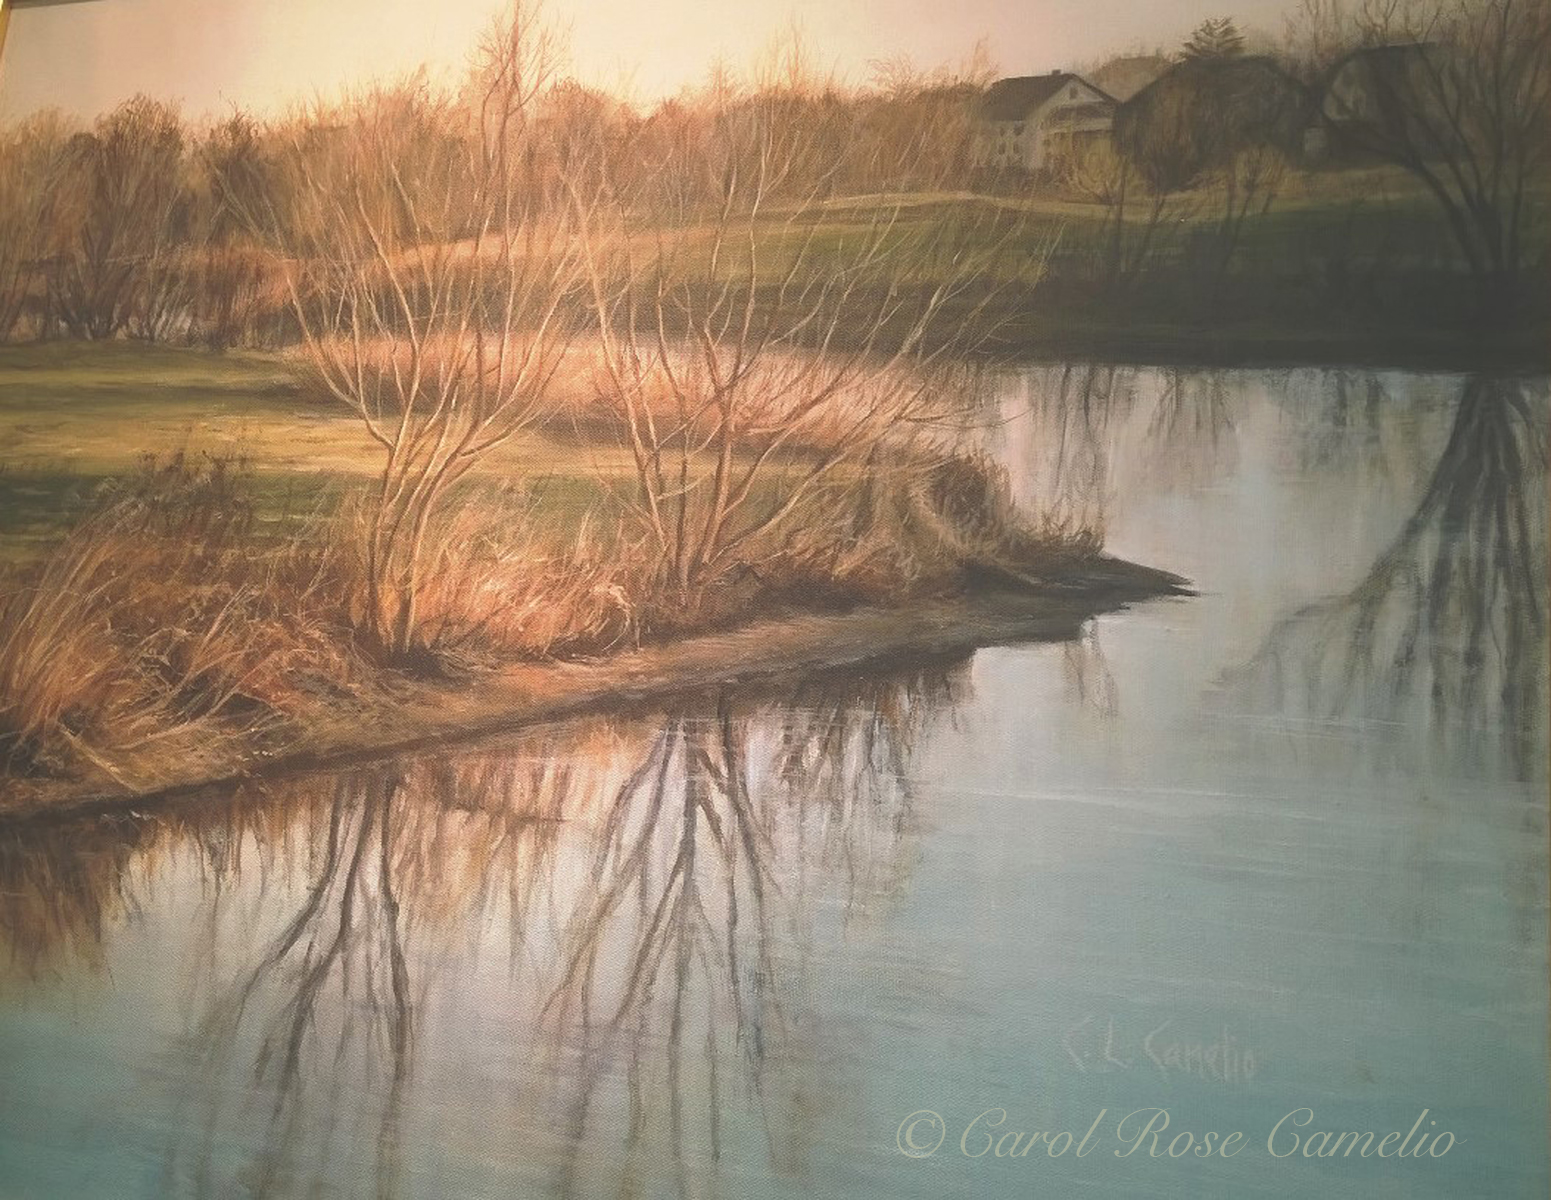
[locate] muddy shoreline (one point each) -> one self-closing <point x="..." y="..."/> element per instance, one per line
<point x="422" y="715"/>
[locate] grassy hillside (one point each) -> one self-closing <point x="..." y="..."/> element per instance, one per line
<point x="75" y="414"/>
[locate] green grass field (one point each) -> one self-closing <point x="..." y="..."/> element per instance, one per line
<point x="76" y="414"/>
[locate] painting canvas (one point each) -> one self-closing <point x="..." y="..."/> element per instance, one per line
<point x="873" y="599"/>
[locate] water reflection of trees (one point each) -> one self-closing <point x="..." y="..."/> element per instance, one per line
<point x="647" y="892"/>
<point x="688" y="965"/>
<point x="1076" y="411"/>
<point x="1086" y="431"/>
<point x="1192" y="435"/>
<point x="1346" y="432"/>
<point x="1094" y="427"/>
<point x="1448" y="626"/>
<point x="58" y="893"/>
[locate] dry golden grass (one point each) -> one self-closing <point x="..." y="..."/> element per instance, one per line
<point x="674" y="387"/>
<point x="167" y="623"/>
<point x="161" y="614"/>
<point x="502" y="585"/>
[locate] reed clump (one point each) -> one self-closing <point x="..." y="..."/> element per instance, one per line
<point x="164" y="615"/>
<point x="173" y="621"/>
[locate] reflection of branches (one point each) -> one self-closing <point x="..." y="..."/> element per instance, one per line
<point x="1089" y="682"/>
<point x="1350" y="425"/>
<point x="1191" y="431"/>
<point x="1084" y="420"/>
<point x="1451" y="618"/>
<point x="706" y="855"/>
<point x="333" y="984"/>
<point x="1076" y="412"/>
<point x="59" y="886"/>
<point x="662" y="884"/>
<point x="325" y="1012"/>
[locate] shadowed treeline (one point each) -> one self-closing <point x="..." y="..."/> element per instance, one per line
<point x="606" y="903"/>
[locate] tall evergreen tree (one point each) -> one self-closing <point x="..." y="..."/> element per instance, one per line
<point x="1215" y="37"/>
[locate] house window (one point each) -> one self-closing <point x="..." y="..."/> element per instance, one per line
<point x="1018" y="129"/>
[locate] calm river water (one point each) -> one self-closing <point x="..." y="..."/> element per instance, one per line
<point x="1278" y="847"/>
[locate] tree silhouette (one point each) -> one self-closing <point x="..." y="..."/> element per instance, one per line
<point x="1215" y="37"/>
<point x="1454" y="92"/>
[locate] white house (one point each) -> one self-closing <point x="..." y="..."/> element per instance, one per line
<point x="1027" y="121"/>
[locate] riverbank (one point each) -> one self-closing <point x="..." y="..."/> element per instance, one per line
<point x="412" y="714"/>
<point x="1228" y="345"/>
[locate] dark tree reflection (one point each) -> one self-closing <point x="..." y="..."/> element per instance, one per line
<point x="1075" y="416"/>
<point x="1191" y="435"/>
<point x="1348" y="430"/>
<point x="1093" y="432"/>
<point x="684" y="971"/>
<point x="1447" y="629"/>
<point x="636" y="905"/>
<point x="57" y="893"/>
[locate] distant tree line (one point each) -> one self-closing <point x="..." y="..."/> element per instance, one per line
<point x="145" y="225"/>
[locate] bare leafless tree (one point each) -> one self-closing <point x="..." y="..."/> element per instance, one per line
<point x="917" y="126"/>
<point x="33" y="157"/>
<point x="760" y="344"/>
<point x="235" y="276"/>
<point x="1100" y="174"/>
<point x="1456" y="93"/>
<point x="118" y="261"/>
<point x="1223" y="122"/>
<point x="429" y="281"/>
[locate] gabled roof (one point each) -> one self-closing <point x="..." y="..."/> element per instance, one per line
<point x="1014" y="99"/>
<point x="1397" y="83"/>
<point x="1226" y="99"/>
<point x="1123" y="77"/>
<point x="1390" y="52"/>
<point x="1390" y="61"/>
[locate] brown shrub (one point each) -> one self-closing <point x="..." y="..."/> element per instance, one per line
<point x="159" y="612"/>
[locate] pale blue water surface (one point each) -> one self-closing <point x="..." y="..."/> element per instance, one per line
<point x="1278" y="847"/>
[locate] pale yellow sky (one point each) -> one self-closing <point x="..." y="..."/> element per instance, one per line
<point x="209" y="54"/>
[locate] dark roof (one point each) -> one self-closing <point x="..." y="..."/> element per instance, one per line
<point x="1233" y="98"/>
<point x="1387" y="60"/>
<point x="1400" y="83"/>
<point x="1013" y="99"/>
<point x="1391" y="51"/>
<point x="1237" y="72"/>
